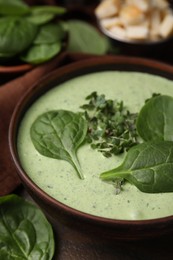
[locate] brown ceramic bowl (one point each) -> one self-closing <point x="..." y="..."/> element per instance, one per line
<point x="142" y="49"/>
<point x="146" y="47"/>
<point x="93" y="226"/>
<point x="15" y="68"/>
<point x="139" y="48"/>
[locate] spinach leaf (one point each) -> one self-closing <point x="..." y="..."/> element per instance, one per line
<point x="48" y="9"/>
<point x="41" y="53"/>
<point x="25" y="233"/>
<point x="83" y="37"/>
<point x="149" y="166"/>
<point x="19" y="25"/>
<point x="6" y="55"/>
<point x="13" y="7"/>
<point x="44" y="14"/>
<point x="16" y="35"/>
<point x="58" y="134"/>
<point x="50" y="33"/>
<point x="154" y="121"/>
<point x="40" y="19"/>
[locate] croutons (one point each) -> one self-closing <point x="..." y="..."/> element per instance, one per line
<point x="138" y="20"/>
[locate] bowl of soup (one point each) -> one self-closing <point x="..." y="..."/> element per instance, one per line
<point x="61" y="168"/>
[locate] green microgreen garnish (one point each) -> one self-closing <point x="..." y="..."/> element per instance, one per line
<point x="111" y="126"/>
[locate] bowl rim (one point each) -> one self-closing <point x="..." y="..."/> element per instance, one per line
<point x="16" y="68"/>
<point x="96" y="62"/>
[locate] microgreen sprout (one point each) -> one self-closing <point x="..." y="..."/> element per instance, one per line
<point x="111" y="126"/>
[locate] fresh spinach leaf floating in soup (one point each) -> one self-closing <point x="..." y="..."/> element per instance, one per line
<point x="149" y="166"/>
<point x="155" y="120"/>
<point x="58" y="134"/>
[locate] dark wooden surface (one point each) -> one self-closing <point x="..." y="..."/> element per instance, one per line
<point x="71" y="245"/>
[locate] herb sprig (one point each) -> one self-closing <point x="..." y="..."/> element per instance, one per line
<point x="111" y="126"/>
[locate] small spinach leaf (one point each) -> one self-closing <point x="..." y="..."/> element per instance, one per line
<point x="6" y="55"/>
<point x="16" y="35"/>
<point x="149" y="166"/>
<point x="25" y="233"/>
<point x="50" y="33"/>
<point x="41" y="53"/>
<point x="40" y="19"/>
<point x="58" y="10"/>
<point x="154" y="121"/>
<point x="44" y="14"/>
<point x="83" y="37"/>
<point x="13" y="7"/>
<point x="58" y="134"/>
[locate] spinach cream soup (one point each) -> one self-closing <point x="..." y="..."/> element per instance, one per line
<point x="59" y="179"/>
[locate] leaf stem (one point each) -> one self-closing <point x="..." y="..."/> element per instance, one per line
<point x="112" y="175"/>
<point x="76" y="165"/>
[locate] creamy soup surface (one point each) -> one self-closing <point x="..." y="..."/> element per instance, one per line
<point x="59" y="179"/>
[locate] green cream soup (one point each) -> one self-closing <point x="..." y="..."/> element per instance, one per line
<point x="59" y="179"/>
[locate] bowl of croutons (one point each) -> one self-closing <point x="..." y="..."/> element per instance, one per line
<point x="146" y="23"/>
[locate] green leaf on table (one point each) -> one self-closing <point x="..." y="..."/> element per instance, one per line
<point x="13" y="7"/>
<point x="25" y="233"/>
<point x="50" y="33"/>
<point x="37" y="54"/>
<point x="16" y="35"/>
<point x="85" y="38"/>
<point x="149" y="166"/>
<point x="154" y="121"/>
<point x="58" y="134"/>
